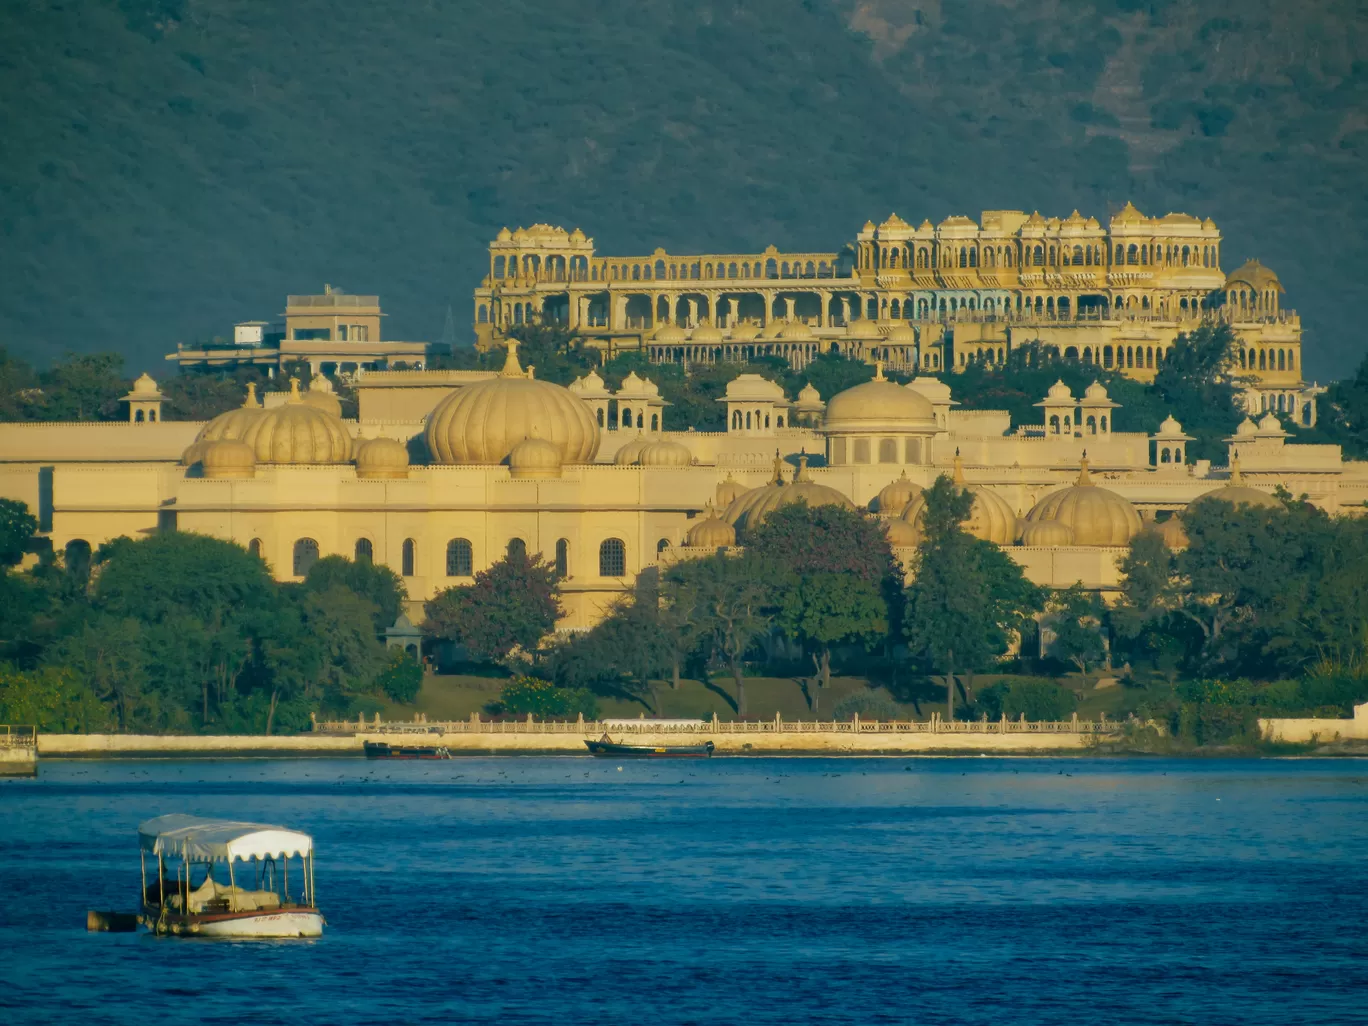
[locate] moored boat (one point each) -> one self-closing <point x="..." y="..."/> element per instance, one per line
<point x="189" y="898"/>
<point x="606" y="746"/>
<point x="382" y="750"/>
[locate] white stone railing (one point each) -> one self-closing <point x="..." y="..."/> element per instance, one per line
<point x="935" y="725"/>
<point x="18" y="737"/>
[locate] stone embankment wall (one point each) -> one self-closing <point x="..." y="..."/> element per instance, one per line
<point x="1355" y="729"/>
<point x="568" y="742"/>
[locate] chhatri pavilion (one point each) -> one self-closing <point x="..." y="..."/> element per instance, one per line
<point x="443" y="472"/>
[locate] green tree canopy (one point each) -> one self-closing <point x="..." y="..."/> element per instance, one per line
<point x="1077" y="622"/>
<point x="374" y="582"/>
<point x="17" y="528"/>
<point x="513" y="604"/>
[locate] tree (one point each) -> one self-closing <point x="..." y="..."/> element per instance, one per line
<point x="536" y="697"/>
<point x="202" y="593"/>
<point x="402" y="678"/>
<point x="107" y="654"/>
<point x="726" y="597"/>
<point x="85" y="386"/>
<point x="51" y="698"/>
<point x="203" y="395"/>
<point x="805" y="539"/>
<point x="968" y="600"/>
<point x="1078" y="626"/>
<point x="17" y="528"/>
<point x="1197" y="383"/>
<point x="513" y="604"/>
<point x="18" y="388"/>
<point x="823" y="609"/>
<point x="343" y="625"/>
<point x="374" y="582"/>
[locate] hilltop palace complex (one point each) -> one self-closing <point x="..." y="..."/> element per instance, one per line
<point x="443" y="472"/>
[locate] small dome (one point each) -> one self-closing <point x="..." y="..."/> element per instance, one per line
<point x="879" y="404"/>
<point x="903" y="335"/>
<point x="233" y="424"/>
<point x="1247" y="429"/>
<point x="710" y="533"/>
<point x="901" y="534"/>
<point x="862" y="327"/>
<point x="1170" y="426"/>
<point x="773" y="329"/>
<point x="631" y="452"/>
<point x="1098" y="516"/>
<point x="795" y="331"/>
<point x="589" y="386"/>
<point x="381" y="459"/>
<point x="665" y="454"/>
<point x="504" y="235"/>
<point x="145" y="386"/>
<point x="895" y="496"/>
<point x="534" y="458"/>
<point x="321" y="395"/>
<point x="669" y="334"/>
<point x="1237" y="493"/>
<point x="744" y="332"/>
<point x="1255" y="275"/>
<point x="1173" y="532"/>
<point x="728" y="491"/>
<point x="1059" y="390"/>
<point x="934" y="389"/>
<point x="576" y="235"/>
<point x="706" y="333"/>
<point x="481" y="423"/>
<point x="1095" y="391"/>
<point x="227" y="458"/>
<point x="298" y="433"/>
<point x="1045" y="534"/>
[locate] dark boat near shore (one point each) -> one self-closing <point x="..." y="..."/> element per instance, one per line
<point x="381" y="750"/>
<point x="606" y="746"/>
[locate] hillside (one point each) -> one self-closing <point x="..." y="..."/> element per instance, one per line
<point x="169" y="166"/>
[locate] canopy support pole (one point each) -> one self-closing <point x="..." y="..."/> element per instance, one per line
<point x="232" y="887"/>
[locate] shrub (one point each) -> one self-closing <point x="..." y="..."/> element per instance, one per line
<point x="401" y="678"/>
<point x="523" y="695"/>
<point x="870" y="705"/>
<point x="1038" y="698"/>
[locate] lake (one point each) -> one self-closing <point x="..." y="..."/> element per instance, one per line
<point x="556" y="890"/>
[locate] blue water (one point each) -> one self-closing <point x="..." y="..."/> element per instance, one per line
<point x="730" y="891"/>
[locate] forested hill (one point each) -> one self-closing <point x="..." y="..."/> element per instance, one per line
<point x="169" y="166"/>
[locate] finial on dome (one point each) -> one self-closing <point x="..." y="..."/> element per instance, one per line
<point x="294" y="391"/>
<point x="801" y="473"/>
<point x="1083" y="478"/>
<point x="531" y="371"/>
<point x="1236" y="476"/>
<point x="878" y="370"/>
<point x="958" y="476"/>
<point x="251" y="402"/>
<point x="778" y="469"/>
<point x="511" y="367"/>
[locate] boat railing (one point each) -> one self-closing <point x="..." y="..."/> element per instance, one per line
<point x="778" y="725"/>
<point x="18" y="736"/>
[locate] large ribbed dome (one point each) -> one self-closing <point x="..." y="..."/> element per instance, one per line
<point x="991" y="518"/>
<point x="231" y="426"/>
<point x="481" y="423"/>
<point x="628" y="455"/>
<point x="751" y="508"/>
<point x="876" y="405"/>
<point x="1097" y="516"/>
<point x="710" y="533"/>
<point x="895" y="496"/>
<point x="664" y="453"/>
<point x="381" y="459"/>
<point x="296" y="432"/>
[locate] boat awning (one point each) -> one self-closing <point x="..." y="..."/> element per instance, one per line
<point x="195" y="837"/>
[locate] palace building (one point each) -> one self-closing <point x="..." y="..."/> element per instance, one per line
<point x="928" y="299"/>
<point x="443" y="472"/>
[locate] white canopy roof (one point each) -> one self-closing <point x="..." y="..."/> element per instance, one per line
<point x="195" y="837"/>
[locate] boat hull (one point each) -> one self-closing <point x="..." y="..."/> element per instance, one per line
<point x="288" y="923"/>
<point x="380" y="750"/>
<point x="616" y="750"/>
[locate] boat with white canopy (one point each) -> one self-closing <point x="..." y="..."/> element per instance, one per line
<point x="191" y="897"/>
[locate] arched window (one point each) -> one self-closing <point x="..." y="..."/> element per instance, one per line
<point x="963" y="257"/>
<point x="771" y="268"/>
<point x="1133" y="254"/>
<point x="138" y="417"/>
<point x="1263" y="362"/>
<point x="1092" y="425"/>
<point x="365" y="552"/>
<point x="407" y="558"/>
<point x="1054" y="424"/>
<point x="1078" y="254"/>
<point x="305" y="556"/>
<point x="1282" y="359"/>
<point x="1164" y="456"/>
<point x="731" y="270"/>
<point x="662" y="545"/>
<point x="1120" y="255"/>
<point x="655" y="422"/>
<point x="254" y="547"/>
<point x="517" y="548"/>
<point x="562" y="558"/>
<point x="973" y="258"/>
<point x="460" y="558"/>
<point x="599" y="415"/>
<point x="612" y="558"/>
<point x="660" y="269"/>
<point x="888" y="450"/>
<point x="736" y="420"/>
<point x="1039" y="256"/>
<point x="77" y="555"/>
<point x="484" y="314"/>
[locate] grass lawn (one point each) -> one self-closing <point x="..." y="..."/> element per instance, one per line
<point x="456" y="696"/>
